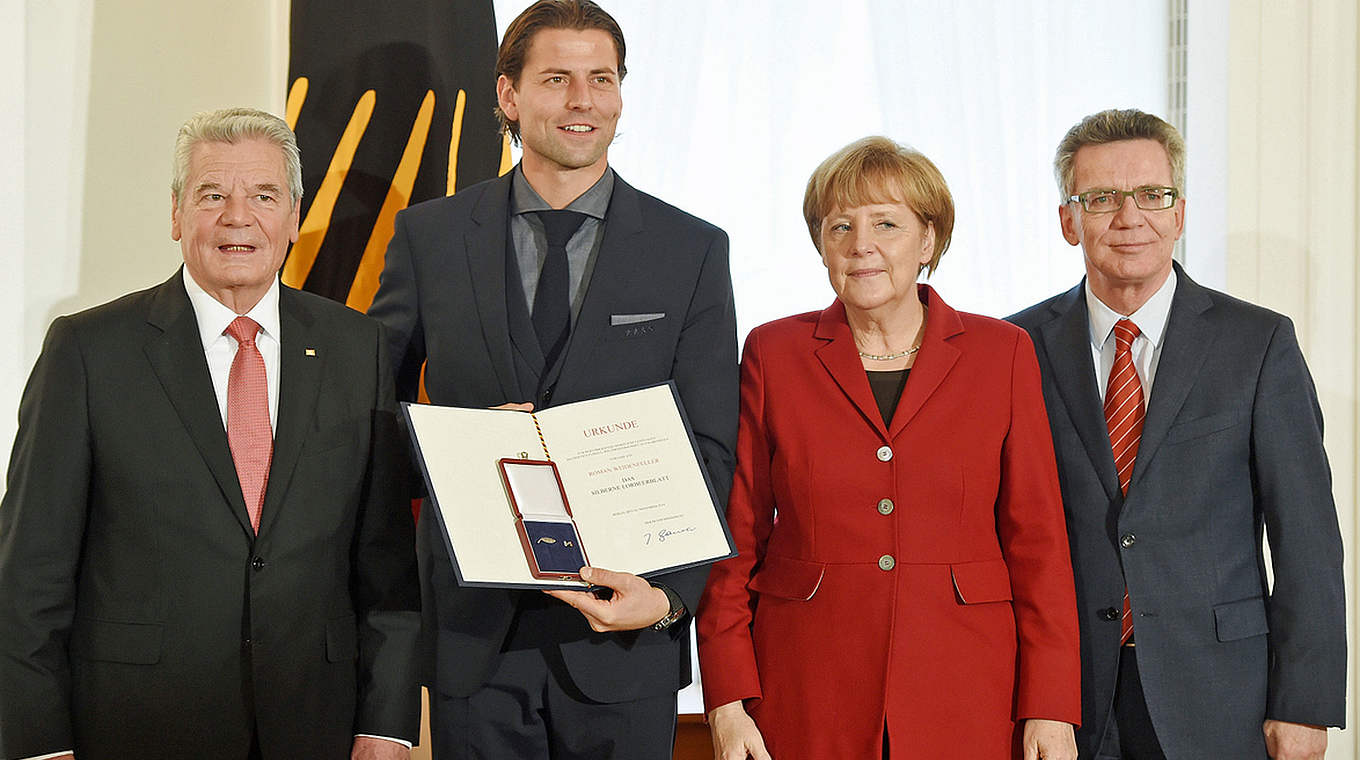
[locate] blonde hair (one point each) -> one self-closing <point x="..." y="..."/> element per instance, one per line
<point x="879" y="170"/>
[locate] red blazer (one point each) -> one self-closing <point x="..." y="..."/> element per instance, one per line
<point x="915" y="573"/>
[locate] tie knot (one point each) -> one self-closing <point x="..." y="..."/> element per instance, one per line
<point x="243" y="329"/>
<point x="1125" y="331"/>
<point x="560" y="226"/>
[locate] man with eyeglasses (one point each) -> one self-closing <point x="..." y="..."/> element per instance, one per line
<point x="1186" y="425"/>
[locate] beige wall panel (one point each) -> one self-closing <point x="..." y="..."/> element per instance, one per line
<point x="152" y="64"/>
<point x="1282" y="204"/>
<point x="1243" y="138"/>
<point x="1294" y="153"/>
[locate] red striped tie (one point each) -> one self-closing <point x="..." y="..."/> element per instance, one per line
<point x="248" y="429"/>
<point x="1124" y="420"/>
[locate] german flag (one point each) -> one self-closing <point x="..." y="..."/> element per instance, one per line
<point x="392" y="104"/>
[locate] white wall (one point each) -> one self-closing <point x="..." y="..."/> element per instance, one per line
<point x="1205" y="241"/>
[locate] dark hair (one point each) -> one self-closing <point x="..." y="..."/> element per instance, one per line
<point x="578" y="15"/>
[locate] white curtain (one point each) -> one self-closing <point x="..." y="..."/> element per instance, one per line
<point x="728" y="107"/>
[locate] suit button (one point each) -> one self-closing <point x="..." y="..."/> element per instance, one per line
<point x="547" y="396"/>
<point x="257" y="563"/>
<point x="885" y="506"/>
<point x="884" y="453"/>
<point x="1109" y="613"/>
<point x="886" y="562"/>
<point x="1127" y="540"/>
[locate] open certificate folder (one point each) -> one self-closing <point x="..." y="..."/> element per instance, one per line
<point x="522" y="497"/>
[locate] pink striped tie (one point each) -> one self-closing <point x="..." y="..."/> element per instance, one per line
<point x="1124" y="420"/>
<point x="248" y="428"/>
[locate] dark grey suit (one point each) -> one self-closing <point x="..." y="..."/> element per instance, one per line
<point x="140" y="616"/>
<point x="445" y="301"/>
<point x="1232" y="445"/>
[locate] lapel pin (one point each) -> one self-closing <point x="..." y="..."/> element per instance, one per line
<point x="310" y="351"/>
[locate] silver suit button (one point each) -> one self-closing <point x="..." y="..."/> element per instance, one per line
<point x="884" y="453"/>
<point x="886" y="562"/>
<point x="885" y="506"/>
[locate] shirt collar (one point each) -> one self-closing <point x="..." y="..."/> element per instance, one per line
<point x="1150" y="318"/>
<point x="593" y="202"/>
<point x="213" y="318"/>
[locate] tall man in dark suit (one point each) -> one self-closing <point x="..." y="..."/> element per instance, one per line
<point x="204" y="547"/>
<point x="503" y="297"/>
<point x="1186" y="425"/>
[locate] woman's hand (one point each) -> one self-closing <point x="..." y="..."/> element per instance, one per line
<point x="735" y="736"/>
<point x="1049" y="740"/>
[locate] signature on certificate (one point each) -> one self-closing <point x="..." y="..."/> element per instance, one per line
<point x="665" y="533"/>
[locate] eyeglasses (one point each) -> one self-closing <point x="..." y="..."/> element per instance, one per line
<point x="1147" y="198"/>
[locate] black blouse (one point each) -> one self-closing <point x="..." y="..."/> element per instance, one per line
<point x="887" y="388"/>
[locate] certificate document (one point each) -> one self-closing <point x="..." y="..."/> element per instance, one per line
<point x="635" y="489"/>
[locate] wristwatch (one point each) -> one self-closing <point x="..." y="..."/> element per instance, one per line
<point x="676" y="611"/>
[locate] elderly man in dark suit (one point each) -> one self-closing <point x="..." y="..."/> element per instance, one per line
<point x="204" y="550"/>
<point x="1186" y="425"/>
<point x="555" y="283"/>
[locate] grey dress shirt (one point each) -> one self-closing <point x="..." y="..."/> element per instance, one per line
<point x="531" y="242"/>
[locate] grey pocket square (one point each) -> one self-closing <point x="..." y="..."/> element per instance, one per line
<point x="631" y="319"/>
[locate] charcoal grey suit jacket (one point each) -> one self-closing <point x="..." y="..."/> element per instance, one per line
<point x="140" y="615"/>
<point x="1231" y="448"/>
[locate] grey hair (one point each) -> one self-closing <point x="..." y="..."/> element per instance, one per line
<point x="232" y="125"/>
<point x="1115" y="125"/>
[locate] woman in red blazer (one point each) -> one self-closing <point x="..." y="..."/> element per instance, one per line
<point x="903" y="579"/>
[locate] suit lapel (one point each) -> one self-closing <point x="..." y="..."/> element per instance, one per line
<point x="486" y="247"/>
<point x="933" y="363"/>
<point x="840" y="359"/>
<point x="937" y="357"/>
<point x="619" y="254"/>
<point x="299" y="384"/>
<point x="1067" y="341"/>
<point x="176" y="356"/>
<point x="1188" y="337"/>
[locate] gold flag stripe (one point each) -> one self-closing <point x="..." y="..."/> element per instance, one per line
<point x="297" y="95"/>
<point x="455" y="137"/>
<point x="365" y="284"/>
<point x="313" y="230"/>
<point x="507" y="161"/>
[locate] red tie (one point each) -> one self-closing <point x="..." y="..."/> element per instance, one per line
<point x="248" y="429"/>
<point x="1124" y="420"/>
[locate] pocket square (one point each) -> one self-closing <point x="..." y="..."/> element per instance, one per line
<point x="631" y="319"/>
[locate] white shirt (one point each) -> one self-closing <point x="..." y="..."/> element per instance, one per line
<point x="1151" y="320"/>
<point x="220" y="348"/>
